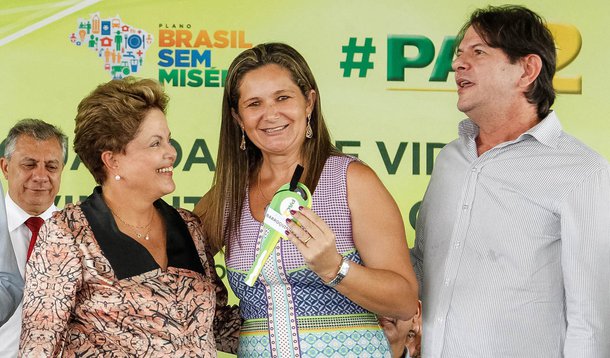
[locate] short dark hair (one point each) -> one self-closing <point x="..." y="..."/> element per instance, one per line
<point x="519" y="32"/>
<point x="110" y="117"/>
<point x="37" y="129"/>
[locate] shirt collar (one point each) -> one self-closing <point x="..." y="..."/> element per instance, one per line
<point x="547" y="131"/>
<point x="127" y="257"/>
<point x="16" y="216"/>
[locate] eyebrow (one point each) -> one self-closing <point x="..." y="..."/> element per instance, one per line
<point x="29" y="159"/>
<point x="159" y="136"/>
<point x="285" y="90"/>
<point x="274" y="93"/>
<point x="459" y="50"/>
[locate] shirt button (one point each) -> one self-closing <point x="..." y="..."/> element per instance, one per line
<point x="465" y="207"/>
<point x="439" y="319"/>
<point x="457" y="244"/>
<point x="474" y="169"/>
<point x="446" y="282"/>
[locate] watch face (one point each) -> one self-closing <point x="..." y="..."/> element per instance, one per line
<point x="344" y="267"/>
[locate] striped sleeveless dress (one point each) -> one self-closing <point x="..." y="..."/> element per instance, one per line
<point x="289" y="312"/>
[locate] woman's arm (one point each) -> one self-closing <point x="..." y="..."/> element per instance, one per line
<point x="53" y="276"/>
<point x="386" y="284"/>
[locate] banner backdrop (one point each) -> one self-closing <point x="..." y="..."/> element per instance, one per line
<point x="383" y="68"/>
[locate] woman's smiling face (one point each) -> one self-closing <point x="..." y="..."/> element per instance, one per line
<point x="273" y="111"/>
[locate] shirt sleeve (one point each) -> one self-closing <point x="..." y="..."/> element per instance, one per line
<point x="585" y="258"/>
<point x="11" y="283"/>
<point x="53" y="277"/>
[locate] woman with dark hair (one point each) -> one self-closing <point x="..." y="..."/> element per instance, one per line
<point x="318" y="293"/>
<point x="123" y="273"/>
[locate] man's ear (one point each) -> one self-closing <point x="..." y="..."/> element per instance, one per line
<point x="532" y="65"/>
<point x="4" y="166"/>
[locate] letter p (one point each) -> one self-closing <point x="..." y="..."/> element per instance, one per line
<point x="397" y="61"/>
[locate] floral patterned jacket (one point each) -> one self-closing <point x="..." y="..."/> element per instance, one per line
<point x="92" y="291"/>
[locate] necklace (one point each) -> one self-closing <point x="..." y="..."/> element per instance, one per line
<point x="260" y="190"/>
<point x="135" y="227"/>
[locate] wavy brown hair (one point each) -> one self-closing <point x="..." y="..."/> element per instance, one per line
<point x="220" y="210"/>
<point x="110" y="117"/>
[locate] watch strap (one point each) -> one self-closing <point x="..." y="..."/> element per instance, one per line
<point x="343" y="269"/>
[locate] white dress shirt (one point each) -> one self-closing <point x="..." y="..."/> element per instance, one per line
<point x="20" y="238"/>
<point x="11" y="282"/>
<point x="512" y="248"/>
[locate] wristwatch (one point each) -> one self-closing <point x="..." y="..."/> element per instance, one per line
<point x="343" y="269"/>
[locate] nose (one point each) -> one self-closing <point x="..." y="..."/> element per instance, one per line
<point x="40" y="173"/>
<point x="459" y="63"/>
<point x="171" y="152"/>
<point x="272" y="112"/>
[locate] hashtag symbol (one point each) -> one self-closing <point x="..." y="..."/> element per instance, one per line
<point x="351" y="50"/>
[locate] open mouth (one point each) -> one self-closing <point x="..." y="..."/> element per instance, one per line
<point x="464" y="83"/>
<point x="274" y="129"/>
<point x="165" y="170"/>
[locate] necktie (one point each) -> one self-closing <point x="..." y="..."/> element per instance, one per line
<point x="33" y="223"/>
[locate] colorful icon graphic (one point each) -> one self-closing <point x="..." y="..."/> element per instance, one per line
<point x="121" y="46"/>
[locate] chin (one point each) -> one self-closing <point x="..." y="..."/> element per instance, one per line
<point x="168" y="190"/>
<point x="40" y="201"/>
<point x="463" y="107"/>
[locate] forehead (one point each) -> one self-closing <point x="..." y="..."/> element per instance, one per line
<point x="28" y="146"/>
<point x="472" y="38"/>
<point x="271" y="75"/>
<point x="154" y="123"/>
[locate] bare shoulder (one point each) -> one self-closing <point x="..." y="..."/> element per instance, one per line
<point x="366" y="193"/>
<point x="362" y="179"/>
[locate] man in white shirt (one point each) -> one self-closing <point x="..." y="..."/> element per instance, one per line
<point x="513" y="235"/>
<point x="32" y="164"/>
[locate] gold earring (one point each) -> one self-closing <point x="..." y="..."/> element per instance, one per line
<point x="242" y="145"/>
<point x="309" y="131"/>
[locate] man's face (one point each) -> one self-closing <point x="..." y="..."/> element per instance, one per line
<point x="486" y="79"/>
<point x="34" y="173"/>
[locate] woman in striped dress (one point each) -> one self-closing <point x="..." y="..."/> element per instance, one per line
<point x="319" y="292"/>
